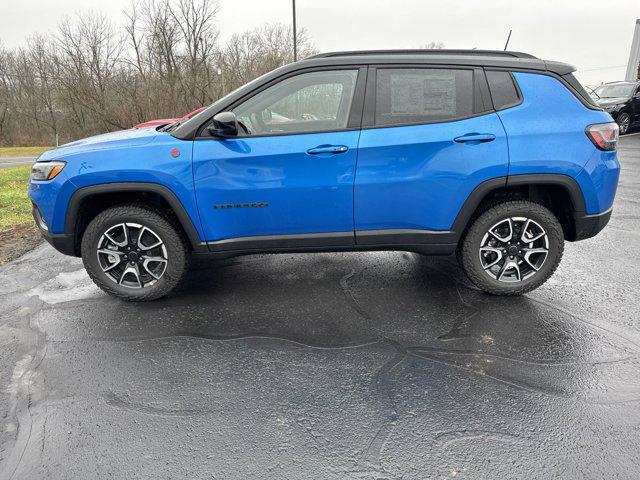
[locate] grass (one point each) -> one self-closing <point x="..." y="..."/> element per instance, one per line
<point x="15" y="207"/>
<point x="22" y="151"/>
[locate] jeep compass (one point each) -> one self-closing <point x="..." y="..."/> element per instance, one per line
<point x="498" y="157"/>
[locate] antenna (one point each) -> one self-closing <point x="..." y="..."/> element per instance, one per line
<point x="508" y="38"/>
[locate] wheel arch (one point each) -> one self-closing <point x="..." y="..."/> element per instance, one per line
<point x="111" y="194"/>
<point x="560" y="193"/>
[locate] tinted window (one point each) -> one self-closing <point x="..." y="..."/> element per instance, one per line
<point x="422" y="95"/>
<point x="503" y="91"/>
<point x="309" y="102"/>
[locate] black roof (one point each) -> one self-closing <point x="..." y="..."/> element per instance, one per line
<point x="472" y="58"/>
<point x="481" y="58"/>
<point x="432" y="51"/>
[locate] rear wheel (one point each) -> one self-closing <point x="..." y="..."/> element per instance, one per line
<point x="624" y="122"/>
<point x="134" y="252"/>
<point x="512" y="248"/>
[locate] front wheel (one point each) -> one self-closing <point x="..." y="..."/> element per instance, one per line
<point x="134" y="252"/>
<point x="512" y="248"/>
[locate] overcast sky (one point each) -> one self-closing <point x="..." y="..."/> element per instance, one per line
<point x="594" y="35"/>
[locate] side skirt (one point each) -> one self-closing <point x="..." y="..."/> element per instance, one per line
<point x="424" y="242"/>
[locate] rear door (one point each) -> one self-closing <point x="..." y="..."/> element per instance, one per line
<point x="430" y="136"/>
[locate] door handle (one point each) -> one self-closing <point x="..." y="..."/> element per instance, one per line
<point x="475" y="138"/>
<point x="330" y="149"/>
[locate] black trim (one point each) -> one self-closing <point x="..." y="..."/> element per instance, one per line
<point x="473" y="200"/>
<point x="485" y="188"/>
<point x="62" y="242"/>
<point x="394" y="236"/>
<point x="483" y="85"/>
<point x="183" y="217"/>
<point x="427" y="51"/>
<point x="419" y="241"/>
<point x="301" y="240"/>
<point x="572" y="187"/>
<point x="587" y="226"/>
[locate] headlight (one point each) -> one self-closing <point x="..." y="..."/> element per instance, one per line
<point x="609" y="108"/>
<point x="46" y="170"/>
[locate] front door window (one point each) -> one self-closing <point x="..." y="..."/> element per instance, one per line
<point x="309" y="102"/>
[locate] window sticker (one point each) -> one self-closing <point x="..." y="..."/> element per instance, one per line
<point x="432" y="93"/>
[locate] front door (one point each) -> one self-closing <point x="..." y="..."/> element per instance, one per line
<point x="287" y="179"/>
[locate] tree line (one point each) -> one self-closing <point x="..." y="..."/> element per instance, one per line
<point x="164" y="60"/>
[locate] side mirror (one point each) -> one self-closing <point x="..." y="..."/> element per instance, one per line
<point x="224" y="124"/>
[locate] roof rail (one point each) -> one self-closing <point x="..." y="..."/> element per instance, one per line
<point x="483" y="53"/>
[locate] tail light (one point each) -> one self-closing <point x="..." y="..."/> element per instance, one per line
<point x="603" y="135"/>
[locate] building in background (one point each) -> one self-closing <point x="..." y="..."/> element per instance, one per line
<point x="633" y="68"/>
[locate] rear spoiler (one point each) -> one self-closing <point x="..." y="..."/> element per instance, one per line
<point x="560" y="68"/>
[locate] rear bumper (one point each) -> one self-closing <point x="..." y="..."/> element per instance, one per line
<point x="588" y="226"/>
<point x="62" y="242"/>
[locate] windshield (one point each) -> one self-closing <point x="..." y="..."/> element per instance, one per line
<point x="614" y="91"/>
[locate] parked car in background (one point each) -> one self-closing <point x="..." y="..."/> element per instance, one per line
<point x="622" y="101"/>
<point x="167" y="121"/>
<point x="496" y="156"/>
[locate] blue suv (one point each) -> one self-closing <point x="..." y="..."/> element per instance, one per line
<point x="496" y="156"/>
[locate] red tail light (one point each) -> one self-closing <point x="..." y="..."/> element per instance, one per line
<point x="603" y="135"/>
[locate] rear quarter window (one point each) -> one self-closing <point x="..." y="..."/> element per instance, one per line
<point x="504" y="91"/>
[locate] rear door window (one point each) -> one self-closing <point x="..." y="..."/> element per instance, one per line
<point x="423" y="95"/>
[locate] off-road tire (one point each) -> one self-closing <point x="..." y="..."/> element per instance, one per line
<point x="469" y="253"/>
<point x="163" y="225"/>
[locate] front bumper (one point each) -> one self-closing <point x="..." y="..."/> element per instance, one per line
<point x="63" y="242"/>
<point x="587" y="226"/>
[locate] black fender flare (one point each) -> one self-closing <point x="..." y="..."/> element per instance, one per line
<point x="73" y="207"/>
<point x="481" y="191"/>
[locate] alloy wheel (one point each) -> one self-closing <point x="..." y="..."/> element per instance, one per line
<point x="514" y="249"/>
<point x="624" y="125"/>
<point x="132" y="255"/>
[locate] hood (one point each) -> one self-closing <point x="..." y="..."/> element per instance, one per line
<point x="113" y="140"/>
<point x="605" y="102"/>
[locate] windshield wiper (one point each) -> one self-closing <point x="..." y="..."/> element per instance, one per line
<point x="170" y="127"/>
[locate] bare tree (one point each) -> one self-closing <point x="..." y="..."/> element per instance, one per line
<point x="163" y="61"/>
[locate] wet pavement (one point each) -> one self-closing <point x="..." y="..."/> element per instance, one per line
<point x="328" y="366"/>
<point x="10" y="162"/>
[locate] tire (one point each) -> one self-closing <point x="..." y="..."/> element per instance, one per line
<point x="624" y="123"/>
<point x="479" y="248"/>
<point x="154" y="269"/>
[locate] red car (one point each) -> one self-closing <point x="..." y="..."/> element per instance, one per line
<point x="167" y="121"/>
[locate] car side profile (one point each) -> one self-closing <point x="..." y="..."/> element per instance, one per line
<point x="622" y="101"/>
<point x="498" y="157"/>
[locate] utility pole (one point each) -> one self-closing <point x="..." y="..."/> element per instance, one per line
<point x="508" y="38"/>
<point x="295" y="35"/>
<point x="633" y="68"/>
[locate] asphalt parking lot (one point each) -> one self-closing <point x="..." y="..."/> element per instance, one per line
<point x="328" y="366"/>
